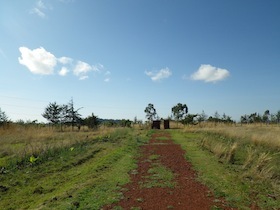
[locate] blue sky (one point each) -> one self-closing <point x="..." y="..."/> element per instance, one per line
<point x="115" y="57"/>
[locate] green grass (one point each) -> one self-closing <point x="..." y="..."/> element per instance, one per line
<point x="86" y="170"/>
<point x="86" y="175"/>
<point x="154" y="157"/>
<point x="159" y="176"/>
<point x="162" y="138"/>
<point x="225" y="178"/>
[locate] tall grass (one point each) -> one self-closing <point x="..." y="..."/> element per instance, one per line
<point x="19" y="141"/>
<point x="251" y="150"/>
<point x="257" y="134"/>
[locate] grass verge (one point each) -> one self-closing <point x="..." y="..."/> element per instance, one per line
<point x="244" y="173"/>
<point x="223" y="177"/>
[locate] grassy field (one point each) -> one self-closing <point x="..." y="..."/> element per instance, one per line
<point x="44" y="168"/>
<point x="69" y="170"/>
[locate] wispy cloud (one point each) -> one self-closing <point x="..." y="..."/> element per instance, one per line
<point x="107" y="75"/>
<point x="159" y="75"/>
<point x="39" y="9"/>
<point x="208" y="73"/>
<point x="98" y="67"/>
<point x="2" y="53"/>
<point x="40" y="61"/>
<point x="83" y="77"/>
<point x="107" y="79"/>
<point x="38" y="12"/>
<point x="42" y="7"/>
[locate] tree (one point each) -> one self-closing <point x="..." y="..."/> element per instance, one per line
<point x="255" y="118"/>
<point x="71" y="115"/>
<point x="92" y="121"/>
<point x="277" y="115"/>
<point x="151" y="112"/>
<point x="125" y="123"/>
<point x="252" y="118"/>
<point x="189" y="119"/>
<point x="244" y="119"/>
<point x="53" y="113"/>
<point x="202" y="117"/>
<point x="217" y="116"/>
<point x="179" y="111"/>
<point x="3" y="118"/>
<point x="266" y="116"/>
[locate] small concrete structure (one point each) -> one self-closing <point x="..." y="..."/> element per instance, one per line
<point x="156" y="124"/>
<point x="166" y="124"/>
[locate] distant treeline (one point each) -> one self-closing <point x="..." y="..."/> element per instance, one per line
<point x="66" y="115"/>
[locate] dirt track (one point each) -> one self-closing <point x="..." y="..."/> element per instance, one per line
<point x="187" y="192"/>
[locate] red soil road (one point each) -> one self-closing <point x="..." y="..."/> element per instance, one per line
<point x="188" y="193"/>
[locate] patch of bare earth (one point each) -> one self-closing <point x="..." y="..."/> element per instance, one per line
<point x="186" y="193"/>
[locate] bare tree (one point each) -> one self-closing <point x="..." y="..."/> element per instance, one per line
<point x="71" y="115"/>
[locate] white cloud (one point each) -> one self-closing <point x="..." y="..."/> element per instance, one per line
<point x="81" y="68"/>
<point x="98" y="68"/>
<point x="38" y="61"/>
<point x="65" y="60"/>
<point x="38" y="9"/>
<point x="159" y="75"/>
<point x="107" y="73"/>
<point x="41" y="4"/>
<point x="63" y="72"/>
<point x="83" y="77"/>
<point x="208" y="73"/>
<point x="38" y="12"/>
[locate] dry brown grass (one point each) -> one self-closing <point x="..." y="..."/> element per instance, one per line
<point x="254" y="150"/>
<point x="20" y="141"/>
<point x="258" y="134"/>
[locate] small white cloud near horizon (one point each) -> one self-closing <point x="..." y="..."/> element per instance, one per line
<point x="159" y="75"/>
<point x="38" y="61"/>
<point x="208" y="73"/>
